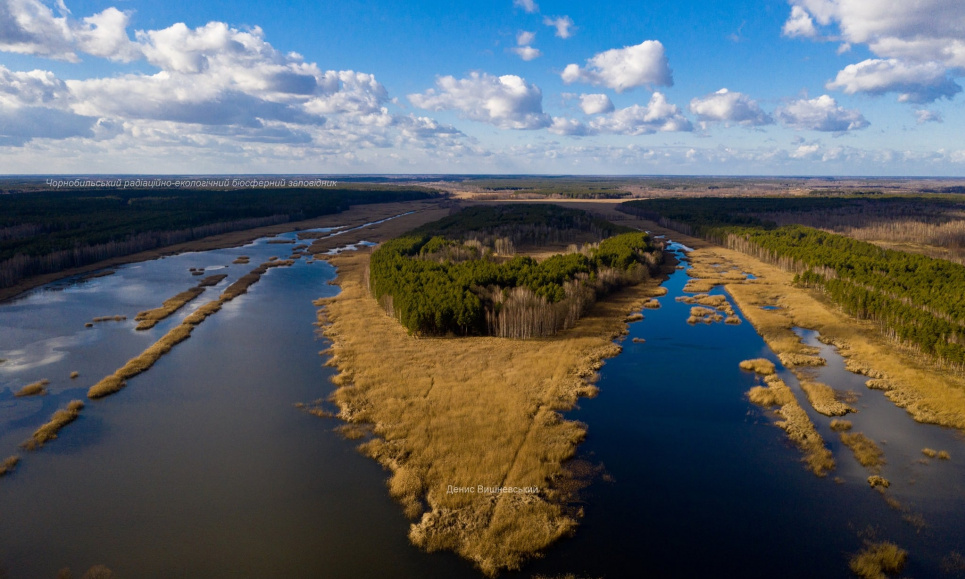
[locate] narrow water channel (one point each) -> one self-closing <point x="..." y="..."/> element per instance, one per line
<point x="204" y="467"/>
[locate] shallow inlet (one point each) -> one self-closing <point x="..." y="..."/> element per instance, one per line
<point x="202" y="466"/>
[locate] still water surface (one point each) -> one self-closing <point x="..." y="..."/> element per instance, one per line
<point x="203" y="467"/>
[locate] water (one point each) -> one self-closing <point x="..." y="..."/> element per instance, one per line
<point x="203" y="467"/>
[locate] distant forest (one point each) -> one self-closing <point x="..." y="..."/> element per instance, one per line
<point x="50" y="231"/>
<point x="459" y="275"/>
<point x="916" y="300"/>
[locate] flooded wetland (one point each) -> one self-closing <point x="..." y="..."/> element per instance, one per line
<point x="207" y="464"/>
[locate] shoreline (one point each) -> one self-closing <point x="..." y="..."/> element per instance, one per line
<point x="352" y="217"/>
<point x="926" y="392"/>
<point x="470" y="413"/>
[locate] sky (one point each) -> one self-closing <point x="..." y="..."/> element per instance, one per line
<point x="665" y="87"/>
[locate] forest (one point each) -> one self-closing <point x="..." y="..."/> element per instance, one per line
<point x="49" y="231"/>
<point x="459" y="275"/>
<point x="915" y="299"/>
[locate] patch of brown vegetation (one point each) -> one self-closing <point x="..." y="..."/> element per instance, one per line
<point x="101" y="319"/>
<point x="212" y="280"/>
<point x="799" y="428"/>
<point x="467" y="412"/>
<point x="74" y="375"/>
<point x="38" y="388"/>
<point x="865" y="450"/>
<point x="9" y="464"/>
<point x="839" y="425"/>
<point x="878" y="560"/>
<point x="928" y="393"/>
<point x="824" y="400"/>
<point x="761" y="366"/>
<point x="149" y="318"/>
<point x="635" y="317"/>
<point x="651" y="304"/>
<point x="48" y="431"/>
<point x="929" y="452"/>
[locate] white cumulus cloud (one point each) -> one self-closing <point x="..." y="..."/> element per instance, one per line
<point x="563" y="25"/>
<point x="926" y="116"/>
<point x="729" y="107"/>
<point x="821" y="114"/>
<point x="527" y="5"/>
<point x="594" y="104"/>
<point x="915" y="82"/>
<point x="526" y="53"/>
<point x="507" y="101"/>
<point x="799" y="23"/>
<point x="916" y="43"/>
<point x="658" y="116"/>
<point x="624" y="68"/>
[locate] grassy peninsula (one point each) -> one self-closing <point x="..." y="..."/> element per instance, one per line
<point x="470" y="425"/>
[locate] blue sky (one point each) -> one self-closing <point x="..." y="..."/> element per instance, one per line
<point x="773" y="87"/>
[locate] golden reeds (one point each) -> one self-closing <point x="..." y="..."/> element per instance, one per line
<point x="823" y="399"/>
<point x="9" y="464"/>
<point x="149" y="318"/>
<point x="878" y="560"/>
<point x="761" y="366"/>
<point x="839" y="425"/>
<point x="476" y="412"/>
<point x="48" y="431"/>
<point x="37" y="388"/>
<point x="865" y="450"/>
<point x="74" y="375"/>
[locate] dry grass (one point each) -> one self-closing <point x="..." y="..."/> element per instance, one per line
<point x="638" y="340"/>
<point x="761" y="366"/>
<point x="149" y="318"/>
<point x="9" y="464"/>
<point x="799" y="428"/>
<point x="117" y="381"/>
<point x="928" y="393"/>
<point x="241" y="260"/>
<point x="48" y="431"/>
<point x="839" y="425"/>
<point x="468" y="412"/>
<point x="878" y="560"/>
<point x="879" y="482"/>
<point x="101" y="319"/>
<point x="212" y="280"/>
<point x="635" y="317"/>
<point x="651" y="304"/>
<point x="74" y="375"/>
<point x="943" y="455"/>
<point x="865" y="450"/>
<point x="824" y="400"/>
<point x="929" y="452"/>
<point x="38" y="388"/>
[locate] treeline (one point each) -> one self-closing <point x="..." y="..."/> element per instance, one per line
<point x="916" y="300"/>
<point x="438" y="285"/>
<point x="49" y="231"/>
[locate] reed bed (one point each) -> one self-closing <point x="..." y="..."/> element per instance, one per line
<point x="212" y="280"/>
<point x="761" y="366"/>
<point x="927" y="392"/>
<point x="878" y="560"/>
<point x="74" y="375"/>
<point x="48" y="431"/>
<point x="101" y="319"/>
<point x="796" y="424"/>
<point x="839" y="425"/>
<point x="149" y="318"/>
<point x="865" y="450"/>
<point x="467" y="412"/>
<point x="635" y="317"/>
<point x="38" y="388"/>
<point x="116" y="381"/>
<point x="823" y="399"/>
<point x="9" y="464"/>
<point x="241" y="260"/>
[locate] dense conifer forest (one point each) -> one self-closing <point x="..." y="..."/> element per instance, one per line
<point x="49" y="231"/>
<point x="460" y="276"/>
<point x="917" y="300"/>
